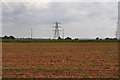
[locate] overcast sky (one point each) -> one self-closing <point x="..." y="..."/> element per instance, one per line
<point x="79" y="19"/>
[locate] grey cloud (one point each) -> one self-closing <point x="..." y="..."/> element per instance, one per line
<point x="78" y="19"/>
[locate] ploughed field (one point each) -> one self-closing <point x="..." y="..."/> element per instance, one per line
<point x="60" y="60"/>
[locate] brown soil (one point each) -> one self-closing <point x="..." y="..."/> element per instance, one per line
<point x="60" y="60"/>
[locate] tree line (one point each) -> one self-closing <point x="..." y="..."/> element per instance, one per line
<point x="59" y="38"/>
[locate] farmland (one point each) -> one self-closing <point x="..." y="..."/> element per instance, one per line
<point x="60" y="60"/>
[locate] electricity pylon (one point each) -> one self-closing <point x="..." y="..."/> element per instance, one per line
<point x="56" y="31"/>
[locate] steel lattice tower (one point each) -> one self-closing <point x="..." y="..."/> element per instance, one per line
<point x="56" y="31"/>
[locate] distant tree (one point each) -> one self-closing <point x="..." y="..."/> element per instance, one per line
<point x="49" y="38"/>
<point x="76" y="39"/>
<point x="97" y="38"/>
<point x="5" y="37"/>
<point x="68" y="38"/>
<point x="115" y="38"/>
<point x="11" y="37"/>
<point x="107" y="38"/>
<point x="59" y="38"/>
